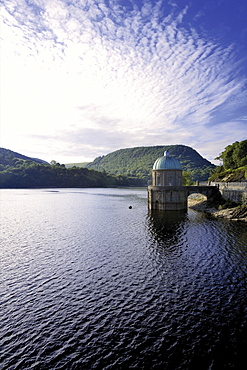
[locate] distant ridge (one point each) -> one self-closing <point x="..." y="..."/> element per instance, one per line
<point x="18" y="171"/>
<point x="7" y="156"/>
<point x="80" y="164"/>
<point x="133" y="163"/>
<point x="138" y="161"/>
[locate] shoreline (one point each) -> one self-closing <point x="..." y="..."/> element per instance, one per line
<point x="237" y="214"/>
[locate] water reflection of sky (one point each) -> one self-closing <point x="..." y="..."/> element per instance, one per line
<point x="100" y="283"/>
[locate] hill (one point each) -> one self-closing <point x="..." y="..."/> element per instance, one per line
<point x="124" y="167"/>
<point x="81" y="164"/>
<point x="138" y="162"/>
<point x="9" y="158"/>
<point x="19" y="171"/>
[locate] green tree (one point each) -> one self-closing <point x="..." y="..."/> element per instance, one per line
<point x="234" y="165"/>
<point x="234" y="155"/>
<point x="240" y="154"/>
<point x="187" y="178"/>
<point x="54" y="163"/>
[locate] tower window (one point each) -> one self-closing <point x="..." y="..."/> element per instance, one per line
<point x="170" y="181"/>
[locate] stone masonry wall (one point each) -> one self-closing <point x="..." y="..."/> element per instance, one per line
<point x="238" y="196"/>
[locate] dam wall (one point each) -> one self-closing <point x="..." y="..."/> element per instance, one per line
<point x="238" y="196"/>
<point x="233" y="191"/>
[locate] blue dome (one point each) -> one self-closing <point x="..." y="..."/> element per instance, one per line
<point x="167" y="163"/>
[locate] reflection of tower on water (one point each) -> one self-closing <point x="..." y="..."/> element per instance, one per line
<point x="166" y="226"/>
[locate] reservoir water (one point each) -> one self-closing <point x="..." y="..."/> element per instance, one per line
<point x="88" y="283"/>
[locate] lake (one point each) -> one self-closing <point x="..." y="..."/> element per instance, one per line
<point x="89" y="283"/>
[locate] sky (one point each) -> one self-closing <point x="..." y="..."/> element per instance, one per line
<point x="83" y="78"/>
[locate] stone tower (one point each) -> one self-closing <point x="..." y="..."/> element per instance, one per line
<point x="166" y="191"/>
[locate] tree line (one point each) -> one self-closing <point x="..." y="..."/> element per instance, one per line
<point x="129" y="168"/>
<point x="28" y="174"/>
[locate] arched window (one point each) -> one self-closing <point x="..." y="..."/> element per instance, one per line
<point x="170" y="181"/>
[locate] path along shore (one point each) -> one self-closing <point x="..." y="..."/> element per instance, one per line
<point x="233" y="214"/>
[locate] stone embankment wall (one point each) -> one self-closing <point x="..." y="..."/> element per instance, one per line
<point x="234" y="191"/>
<point x="238" y="196"/>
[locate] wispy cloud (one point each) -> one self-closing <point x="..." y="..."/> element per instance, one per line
<point x="101" y="77"/>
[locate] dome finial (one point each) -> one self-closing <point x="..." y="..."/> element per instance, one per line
<point x="167" y="162"/>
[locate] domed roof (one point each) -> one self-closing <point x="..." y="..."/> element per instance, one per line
<point x="167" y="162"/>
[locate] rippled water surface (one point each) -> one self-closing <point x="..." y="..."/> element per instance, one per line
<point x="88" y="283"/>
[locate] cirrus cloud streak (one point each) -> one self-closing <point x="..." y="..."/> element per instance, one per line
<point x="97" y="77"/>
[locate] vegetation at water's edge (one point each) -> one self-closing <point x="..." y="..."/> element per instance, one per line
<point x="124" y="167"/>
<point x="18" y="171"/>
<point x="234" y="167"/>
<point x="28" y="174"/>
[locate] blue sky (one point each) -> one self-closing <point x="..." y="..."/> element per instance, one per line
<point x="83" y="78"/>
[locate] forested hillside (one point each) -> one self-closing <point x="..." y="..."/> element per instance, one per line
<point x="138" y="162"/>
<point x="17" y="172"/>
<point x="8" y="157"/>
<point x="125" y="167"/>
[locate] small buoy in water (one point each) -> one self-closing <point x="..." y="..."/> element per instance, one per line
<point x="130" y="207"/>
